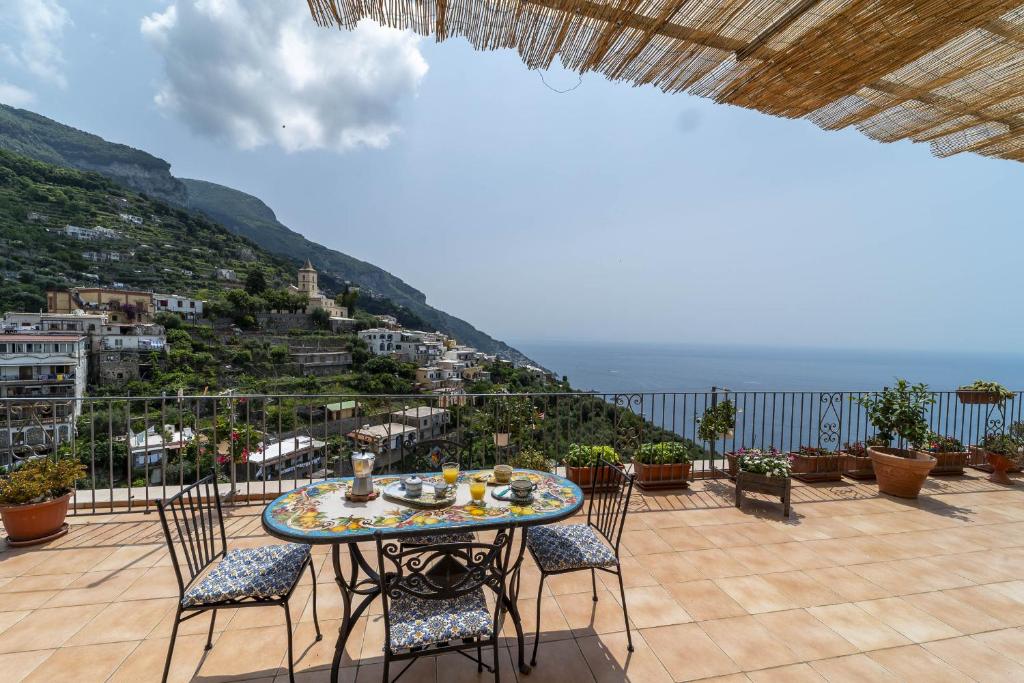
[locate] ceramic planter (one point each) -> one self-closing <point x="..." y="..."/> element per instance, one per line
<point x="583" y="477"/>
<point x="978" y="459"/>
<point x="858" y="467"/>
<point x="900" y="472"/>
<point x="662" y="476"/>
<point x="1000" y="465"/>
<point x="36" y="522"/>
<point x="812" y="468"/>
<point x="949" y="463"/>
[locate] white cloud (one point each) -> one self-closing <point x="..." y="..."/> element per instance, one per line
<point x="260" y="72"/>
<point x="14" y="96"/>
<point x="33" y="31"/>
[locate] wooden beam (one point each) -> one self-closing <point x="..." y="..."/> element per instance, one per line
<point x="780" y="25"/>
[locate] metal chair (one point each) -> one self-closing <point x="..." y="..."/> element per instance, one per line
<point x="564" y="548"/>
<point x="434" y="600"/>
<point x="428" y="456"/>
<point x="248" y="577"/>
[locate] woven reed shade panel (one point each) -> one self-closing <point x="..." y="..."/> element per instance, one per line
<point x="946" y="72"/>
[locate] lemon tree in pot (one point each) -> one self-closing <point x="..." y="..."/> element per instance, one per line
<point x="899" y="413"/>
<point x="34" y="499"/>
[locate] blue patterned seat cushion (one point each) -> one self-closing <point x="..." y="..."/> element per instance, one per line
<point x="435" y="539"/>
<point x="568" y="546"/>
<point x="265" y="572"/>
<point x="416" y="622"/>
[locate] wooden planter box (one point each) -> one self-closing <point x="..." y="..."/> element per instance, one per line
<point x="949" y="463"/>
<point x="731" y="459"/>
<point x="857" y="467"/>
<point x="582" y="477"/>
<point x="978" y="397"/>
<point x="811" y="468"/>
<point x="747" y="482"/>
<point x="978" y="459"/>
<point x="651" y="477"/>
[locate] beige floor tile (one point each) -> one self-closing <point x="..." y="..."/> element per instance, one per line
<point x="70" y="560"/>
<point x="573" y="582"/>
<point x="552" y="621"/>
<point x="852" y="669"/>
<point x="17" y="665"/>
<point x="454" y="668"/>
<point x="9" y="619"/>
<point x="684" y="538"/>
<point x="27" y="600"/>
<point x="560" y="661"/>
<point x="714" y="563"/>
<point x="586" y="617"/>
<point x="611" y="662"/>
<point x="132" y="557"/>
<point x="917" y="625"/>
<point x="793" y="673"/>
<point x="800" y="556"/>
<point x="755" y="594"/>
<point x="47" y="628"/>
<point x="82" y="663"/>
<point x="846" y="584"/>
<point x="959" y="614"/>
<point x="155" y="582"/>
<point x="975" y="659"/>
<point x="146" y="662"/>
<point x="422" y="671"/>
<point x="704" y="600"/>
<point x="748" y="643"/>
<point x="858" y="627"/>
<point x="913" y="662"/>
<point x="801" y="589"/>
<point x="645" y="542"/>
<point x="671" y="568"/>
<point x="634" y="573"/>
<point x="1007" y="642"/>
<point x="94" y="587"/>
<point x="651" y="606"/>
<point x="252" y="653"/>
<point x="1007" y="610"/>
<point x="760" y="559"/>
<point x="805" y="635"/>
<point x="123" y="621"/>
<point x="18" y="562"/>
<point x="43" y="582"/>
<point x="687" y="653"/>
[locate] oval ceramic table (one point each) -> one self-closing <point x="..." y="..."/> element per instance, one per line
<point x="319" y="513"/>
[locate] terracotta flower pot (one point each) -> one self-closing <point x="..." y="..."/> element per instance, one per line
<point x="674" y="475"/>
<point x="583" y="477"/>
<point x="858" y="467"/>
<point x="35" y="522"/>
<point x="1000" y="466"/>
<point x="811" y="468"/>
<point x="951" y="462"/>
<point x="899" y="475"/>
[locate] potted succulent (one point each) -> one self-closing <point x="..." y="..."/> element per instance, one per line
<point x="812" y="464"/>
<point x="950" y="455"/>
<point x="663" y="465"/>
<point x="764" y="472"/>
<point x="34" y="499"/>
<point x="899" y="413"/>
<point x="856" y="461"/>
<point x="982" y="391"/>
<point x="580" y="460"/>
<point x="1003" y="452"/>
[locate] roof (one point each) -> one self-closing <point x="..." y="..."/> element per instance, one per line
<point x="282" y="450"/>
<point x="17" y="336"/>
<point x="949" y="74"/>
<point x="343" y="405"/>
<point x="383" y="431"/>
<point x="307" y="266"/>
<point x="420" y="411"/>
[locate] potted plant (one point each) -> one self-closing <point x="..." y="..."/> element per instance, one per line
<point x="856" y="461"/>
<point x="950" y="455"/>
<point x="663" y="465"/>
<point x="531" y="459"/>
<point x="580" y="460"/>
<point x="981" y="391"/>
<point x="765" y="472"/>
<point x="899" y="413"/>
<point x="34" y="499"/>
<point x="1003" y="452"/>
<point x="812" y="464"/>
<point x="718" y="422"/>
<point x="734" y="457"/>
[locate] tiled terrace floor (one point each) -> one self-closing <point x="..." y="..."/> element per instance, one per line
<point x="853" y="587"/>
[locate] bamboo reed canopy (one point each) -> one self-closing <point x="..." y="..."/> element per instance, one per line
<point x="946" y="72"/>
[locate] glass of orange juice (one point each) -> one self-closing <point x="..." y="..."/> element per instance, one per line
<point x="450" y="471"/>
<point x="477" y="489"/>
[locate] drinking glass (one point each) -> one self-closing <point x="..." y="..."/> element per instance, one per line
<point x="450" y="471"/>
<point x="477" y="489"/>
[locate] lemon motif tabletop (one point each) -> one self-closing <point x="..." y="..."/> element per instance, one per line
<point x="320" y="512"/>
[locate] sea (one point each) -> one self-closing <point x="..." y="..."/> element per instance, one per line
<point x="624" y="367"/>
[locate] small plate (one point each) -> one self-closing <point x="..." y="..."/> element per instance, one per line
<point x="426" y="499"/>
<point x="505" y="495"/>
<point x="490" y="480"/>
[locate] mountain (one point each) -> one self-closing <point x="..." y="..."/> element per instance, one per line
<point x="38" y="137"/>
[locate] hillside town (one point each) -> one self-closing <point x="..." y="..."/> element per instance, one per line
<point x="98" y="340"/>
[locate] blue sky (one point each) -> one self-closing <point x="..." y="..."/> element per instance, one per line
<point x="605" y="213"/>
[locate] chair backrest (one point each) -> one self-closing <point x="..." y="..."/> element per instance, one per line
<point x="442" y="571"/>
<point x="610" y="491"/>
<point x="192" y="522"/>
<point x="428" y="455"/>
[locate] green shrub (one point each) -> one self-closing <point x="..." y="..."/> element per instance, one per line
<point x="532" y="459"/>
<point x="666" y="453"/>
<point x="580" y="455"/>
<point x="40" y="480"/>
<point x="717" y="421"/>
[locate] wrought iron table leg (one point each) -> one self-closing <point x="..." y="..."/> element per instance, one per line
<point x="349" y="589"/>
<point x="511" y="604"/>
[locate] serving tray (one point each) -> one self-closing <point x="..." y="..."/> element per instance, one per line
<point x="398" y="494"/>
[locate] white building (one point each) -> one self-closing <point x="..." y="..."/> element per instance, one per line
<point x="151" y="445"/>
<point x="430" y="422"/>
<point x="225" y="274"/>
<point x="129" y="218"/>
<point x="186" y="307"/>
<point x="293" y="455"/>
<point x="130" y="337"/>
<point x="49" y="323"/>
<point x="43" y="378"/>
<point x="380" y="340"/>
<point x="317" y="299"/>
<point x="99" y="232"/>
<point x="383" y="438"/>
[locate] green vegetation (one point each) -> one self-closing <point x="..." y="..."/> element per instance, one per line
<point x="986" y="387"/>
<point x="717" y="421"/>
<point x="532" y="459"/>
<point x="39" y="480"/>
<point x="667" y="453"/>
<point x="580" y="455"/>
<point x="899" y="412"/>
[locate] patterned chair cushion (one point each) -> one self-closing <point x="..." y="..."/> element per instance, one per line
<point x="265" y="572"/>
<point x="568" y="546"/>
<point x="416" y="622"/>
<point x="435" y="539"/>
